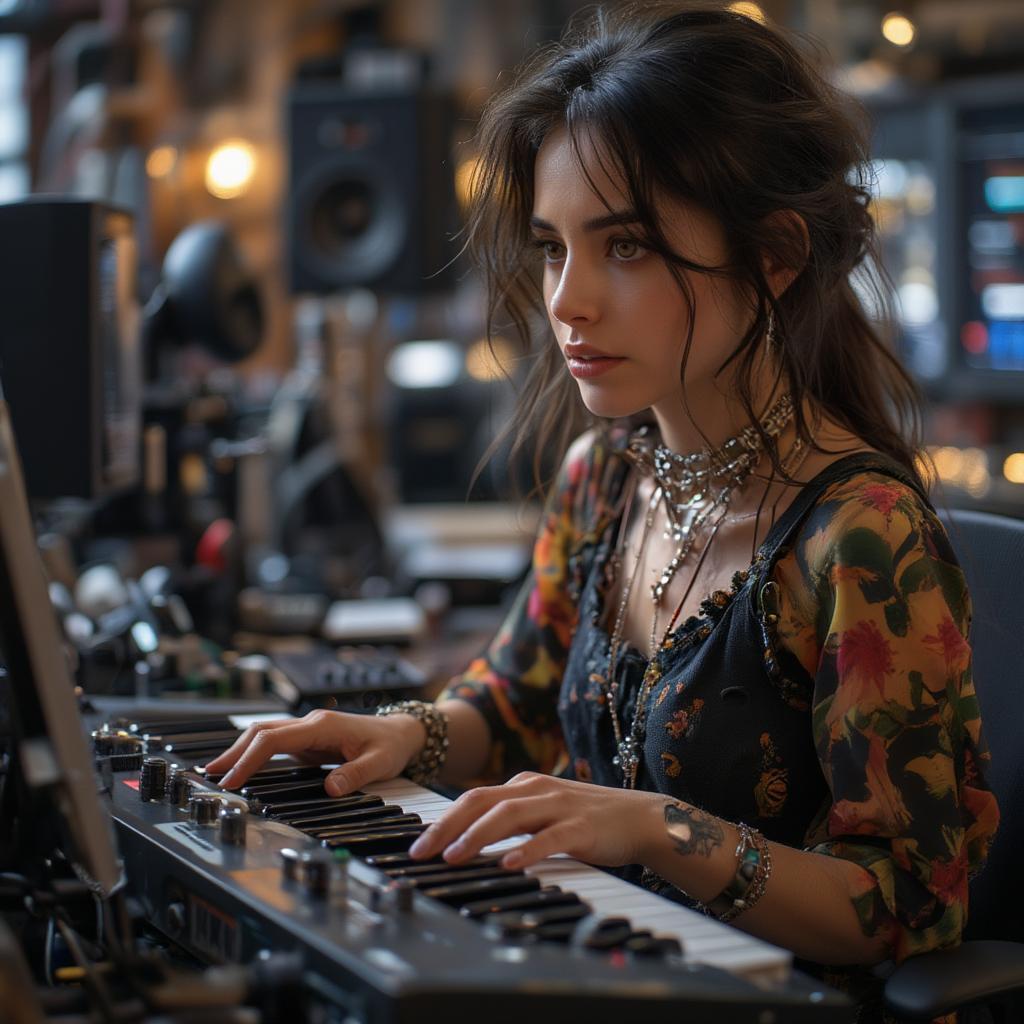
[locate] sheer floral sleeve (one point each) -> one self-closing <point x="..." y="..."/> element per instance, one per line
<point x="874" y="606"/>
<point x="515" y="683"/>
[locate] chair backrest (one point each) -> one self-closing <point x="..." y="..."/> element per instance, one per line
<point x="991" y="552"/>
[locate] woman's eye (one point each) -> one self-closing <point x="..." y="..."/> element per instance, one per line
<point x="627" y="249"/>
<point x="551" y="251"/>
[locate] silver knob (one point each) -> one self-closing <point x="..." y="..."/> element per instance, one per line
<point x="232" y="826"/>
<point x="203" y="808"/>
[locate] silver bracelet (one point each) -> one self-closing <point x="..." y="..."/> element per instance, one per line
<point x="426" y="766"/>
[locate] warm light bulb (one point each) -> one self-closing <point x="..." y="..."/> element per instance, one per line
<point x="161" y="161"/>
<point x="230" y="169"/>
<point x="1013" y="468"/>
<point x="898" y="29"/>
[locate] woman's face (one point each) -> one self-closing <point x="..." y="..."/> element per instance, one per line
<point x="617" y="313"/>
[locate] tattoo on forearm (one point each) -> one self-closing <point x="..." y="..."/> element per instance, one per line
<point x="692" y="830"/>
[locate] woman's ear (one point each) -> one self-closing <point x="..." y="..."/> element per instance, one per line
<point x="783" y="261"/>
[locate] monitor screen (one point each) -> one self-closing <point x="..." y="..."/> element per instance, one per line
<point x="991" y="329"/>
<point x="51" y="748"/>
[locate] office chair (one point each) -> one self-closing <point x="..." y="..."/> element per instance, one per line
<point x="987" y="970"/>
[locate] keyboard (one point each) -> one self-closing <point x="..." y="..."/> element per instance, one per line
<point x="331" y="878"/>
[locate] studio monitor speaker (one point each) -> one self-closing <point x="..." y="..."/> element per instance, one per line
<point x="371" y="198"/>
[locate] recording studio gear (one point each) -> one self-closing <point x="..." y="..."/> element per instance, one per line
<point x="353" y="678"/>
<point x="206" y="295"/>
<point x="371" y="199"/>
<point x="68" y="292"/>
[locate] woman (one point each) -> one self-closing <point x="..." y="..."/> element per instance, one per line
<point x="738" y="671"/>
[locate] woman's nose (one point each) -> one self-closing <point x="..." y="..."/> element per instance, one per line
<point x="575" y="299"/>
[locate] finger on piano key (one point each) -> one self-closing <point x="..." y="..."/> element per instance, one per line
<point x="274" y="773"/>
<point x="257" y="745"/>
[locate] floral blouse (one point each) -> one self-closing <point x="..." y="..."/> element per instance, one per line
<point x="864" y="741"/>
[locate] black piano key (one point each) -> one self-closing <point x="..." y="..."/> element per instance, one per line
<point x="454" y="875"/>
<point x="611" y="932"/>
<point x="308" y="823"/>
<point x="277" y="773"/>
<point x="289" y="812"/>
<point x="466" y="892"/>
<point x="356" y="828"/>
<point x="643" y="943"/>
<point x="282" y="810"/>
<point x="281" y="792"/>
<point x="552" y="915"/>
<point x="550" y="896"/>
<point x="166" y="726"/>
<point x="197" y="750"/>
<point x="377" y="842"/>
<point x="387" y="860"/>
<point x="433" y="866"/>
<point x="225" y="737"/>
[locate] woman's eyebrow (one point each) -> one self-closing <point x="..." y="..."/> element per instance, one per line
<point x="617" y="218"/>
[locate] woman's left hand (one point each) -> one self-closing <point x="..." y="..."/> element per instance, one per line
<point x="595" y="824"/>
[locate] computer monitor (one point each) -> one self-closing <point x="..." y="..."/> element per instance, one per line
<point x="51" y="759"/>
<point x="949" y="202"/>
<point x="70" y="361"/>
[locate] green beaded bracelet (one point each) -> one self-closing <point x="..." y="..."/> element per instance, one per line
<point x="753" y="867"/>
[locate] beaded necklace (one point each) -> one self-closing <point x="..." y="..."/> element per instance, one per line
<point x="682" y="484"/>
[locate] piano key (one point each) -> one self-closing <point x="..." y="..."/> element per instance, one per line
<point x="377" y="842"/>
<point x="535" y="918"/>
<point x="283" y="792"/>
<point x="456" y="875"/>
<point x="342" y="817"/>
<point x="275" y="773"/>
<point x="206" y="747"/>
<point x="166" y="726"/>
<point x="357" y="828"/>
<point x="537" y="899"/>
<point x="285" y="809"/>
<point x="418" y="868"/>
<point x="226" y="737"/>
<point x="466" y="892"/>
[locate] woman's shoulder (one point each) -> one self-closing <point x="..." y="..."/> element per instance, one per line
<point x="591" y="477"/>
<point x="877" y="524"/>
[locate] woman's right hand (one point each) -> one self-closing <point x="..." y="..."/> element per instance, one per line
<point x="373" y="748"/>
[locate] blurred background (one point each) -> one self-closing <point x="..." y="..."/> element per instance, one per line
<point x="243" y="357"/>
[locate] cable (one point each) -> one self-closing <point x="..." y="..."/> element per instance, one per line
<point x="97" y="985"/>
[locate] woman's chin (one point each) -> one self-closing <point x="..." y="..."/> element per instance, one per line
<point x="608" y="406"/>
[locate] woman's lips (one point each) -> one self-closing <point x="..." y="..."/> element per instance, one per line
<point x="584" y="367"/>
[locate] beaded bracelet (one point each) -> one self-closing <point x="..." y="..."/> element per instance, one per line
<point x="426" y="766"/>
<point x="748" y="885"/>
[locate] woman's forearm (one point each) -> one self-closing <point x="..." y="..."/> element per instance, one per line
<point x="807" y="906"/>
<point x="469" y="743"/>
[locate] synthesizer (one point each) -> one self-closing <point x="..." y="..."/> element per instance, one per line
<point x="279" y="865"/>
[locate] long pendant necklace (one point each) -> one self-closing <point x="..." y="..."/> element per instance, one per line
<point x="686" y="518"/>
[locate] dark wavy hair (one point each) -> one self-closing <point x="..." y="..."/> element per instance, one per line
<point x="713" y="108"/>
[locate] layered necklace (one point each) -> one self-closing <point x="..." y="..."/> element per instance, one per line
<point x="695" y="489"/>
